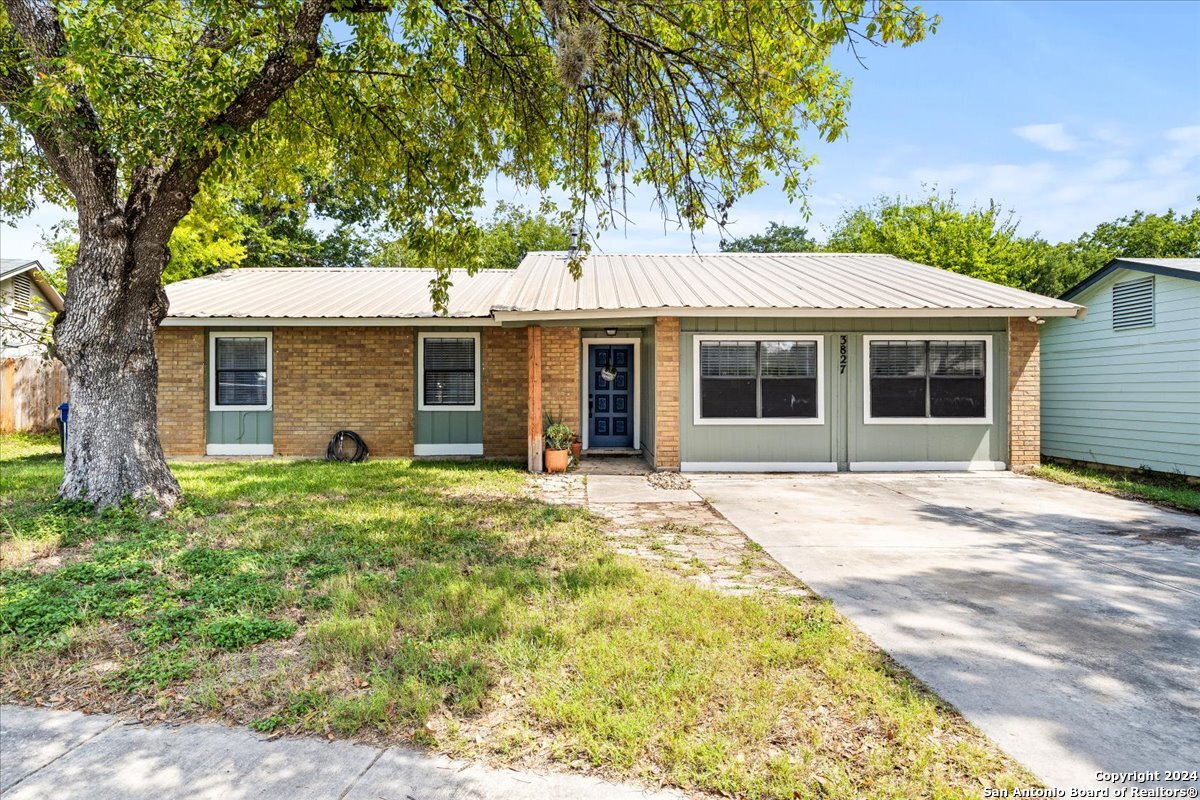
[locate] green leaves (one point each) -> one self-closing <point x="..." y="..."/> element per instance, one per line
<point x="409" y="112"/>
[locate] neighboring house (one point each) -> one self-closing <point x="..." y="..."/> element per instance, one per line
<point x="1123" y="386"/>
<point x="27" y="305"/>
<point x="753" y="362"/>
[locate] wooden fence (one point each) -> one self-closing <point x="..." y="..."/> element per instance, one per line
<point x="30" y="391"/>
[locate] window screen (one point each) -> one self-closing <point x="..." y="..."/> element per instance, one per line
<point x="748" y="379"/>
<point x="449" y="372"/>
<point x="241" y="371"/>
<point x="931" y="379"/>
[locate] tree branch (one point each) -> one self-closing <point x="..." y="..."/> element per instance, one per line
<point x="73" y="144"/>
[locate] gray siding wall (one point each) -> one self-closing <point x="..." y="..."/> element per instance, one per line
<point x="1128" y="398"/>
<point x="446" y="427"/>
<point x="844" y="438"/>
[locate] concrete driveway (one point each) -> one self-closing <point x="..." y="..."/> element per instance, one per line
<point x="1064" y="623"/>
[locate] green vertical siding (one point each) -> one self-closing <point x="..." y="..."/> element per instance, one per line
<point x="239" y="427"/>
<point x="448" y="427"/>
<point x="844" y="437"/>
<point x="1130" y="398"/>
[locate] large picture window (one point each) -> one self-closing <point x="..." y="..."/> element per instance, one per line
<point x="758" y="379"/>
<point x="240" y="365"/>
<point x="449" y="372"/>
<point x="919" y="380"/>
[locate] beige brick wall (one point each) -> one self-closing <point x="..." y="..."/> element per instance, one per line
<point x="182" y="394"/>
<point x="355" y="378"/>
<point x="560" y="374"/>
<point x="505" y="392"/>
<point x="1024" y="399"/>
<point x="666" y="393"/>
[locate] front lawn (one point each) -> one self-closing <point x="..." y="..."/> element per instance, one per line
<point x="1173" y="492"/>
<point x="437" y="604"/>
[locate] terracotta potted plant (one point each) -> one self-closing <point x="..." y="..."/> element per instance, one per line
<point x="558" y="439"/>
<point x="576" y="448"/>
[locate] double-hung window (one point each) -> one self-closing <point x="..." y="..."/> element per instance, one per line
<point x="743" y="379"/>
<point x="240" y="365"/>
<point x="917" y="379"/>
<point x="449" y="372"/>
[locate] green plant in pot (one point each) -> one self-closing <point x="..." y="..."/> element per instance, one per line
<point x="558" y="440"/>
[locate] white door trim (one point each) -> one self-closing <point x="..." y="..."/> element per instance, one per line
<point x="585" y="385"/>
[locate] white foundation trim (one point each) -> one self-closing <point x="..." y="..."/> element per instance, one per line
<point x="927" y="466"/>
<point x="448" y="449"/>
<point x="240" y="449"/>
<point x="758" y="466"/>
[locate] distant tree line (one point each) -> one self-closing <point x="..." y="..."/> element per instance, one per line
<point x="983" y="241"/>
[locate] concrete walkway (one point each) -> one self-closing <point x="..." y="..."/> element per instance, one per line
<point x="67" y="755"/>
<point x="1064" y="623"/>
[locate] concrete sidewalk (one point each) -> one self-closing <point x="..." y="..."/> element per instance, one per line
<point x="65" y="754"/>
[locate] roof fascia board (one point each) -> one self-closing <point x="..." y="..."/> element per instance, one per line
<point x="1118" y="263"/>
<point x="822" y="313"/>
<point x="332" y="322"/>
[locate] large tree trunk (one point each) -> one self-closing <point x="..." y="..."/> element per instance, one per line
<point x="106" y="340"/>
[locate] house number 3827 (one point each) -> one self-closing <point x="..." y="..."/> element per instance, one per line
<point x="842" y="356"/>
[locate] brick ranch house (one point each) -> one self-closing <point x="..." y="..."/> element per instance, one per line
<point x="727" y="362"/>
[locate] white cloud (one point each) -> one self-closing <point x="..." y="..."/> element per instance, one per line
<point x="1183" y="149"/>
<point x="1064" y="196"/>
<point x="1052" y="136"/>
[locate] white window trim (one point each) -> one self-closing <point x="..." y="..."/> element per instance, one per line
<point x="585" y="385"/>
<point x="421" y="337"/>
<point x="989" y="371"/>
<point x="212" y="368"/>
<point x="697" y="339"/>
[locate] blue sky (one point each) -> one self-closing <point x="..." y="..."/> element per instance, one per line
<point x="1070" y="113"/>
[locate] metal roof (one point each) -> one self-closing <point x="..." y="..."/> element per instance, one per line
<point x="316" y="293"/>
<point x="782" y="282"/>
<point x="1186" y="268"/>
<point x="819" y="284"/>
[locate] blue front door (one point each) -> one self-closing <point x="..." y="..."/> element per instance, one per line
<point x="610" y="395"/>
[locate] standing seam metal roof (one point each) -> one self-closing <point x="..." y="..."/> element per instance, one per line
<point x="543" y="285"/>
<point x="831" y="281"/>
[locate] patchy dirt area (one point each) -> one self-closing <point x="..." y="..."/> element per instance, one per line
<point x="686" y="536"/>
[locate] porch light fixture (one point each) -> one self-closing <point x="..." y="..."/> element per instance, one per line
<point x="610" y="331"/>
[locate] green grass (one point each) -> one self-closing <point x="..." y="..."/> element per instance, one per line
<point x="1175" y="492"/>
<point x="434" y="603"/>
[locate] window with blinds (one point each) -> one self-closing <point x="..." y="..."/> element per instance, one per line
<point x="929" y="379"/>
<point x="449" y="367"/>
<point x="745" y="379"/>
<point x="241" y="367"/>
<point x="1133" y="304"/>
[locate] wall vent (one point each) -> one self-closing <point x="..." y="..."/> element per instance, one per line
<point x="22" y="293"/>
<point x="1133" y="304"/>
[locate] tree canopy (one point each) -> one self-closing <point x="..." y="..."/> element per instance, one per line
<point x="777" y="238"/>
<point x="407" y="107"/>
